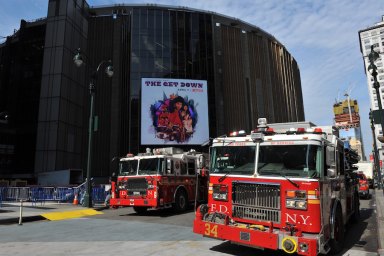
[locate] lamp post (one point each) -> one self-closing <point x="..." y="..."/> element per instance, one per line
<point x="372" y="69"/>
<point x="78" y="60"/>
<point x="4" y="117"/>
<point x="375" y="151"/>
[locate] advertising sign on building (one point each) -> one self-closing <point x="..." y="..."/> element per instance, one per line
<point x="174" y="111"/>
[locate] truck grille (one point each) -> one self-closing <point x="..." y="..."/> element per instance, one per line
<point x="137" y="187"/>
<point x="256" y="201"/>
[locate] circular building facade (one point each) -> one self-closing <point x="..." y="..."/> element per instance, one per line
<point x="228" y="73"/>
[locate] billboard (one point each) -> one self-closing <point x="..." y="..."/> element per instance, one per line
<point x="174" y="111"/>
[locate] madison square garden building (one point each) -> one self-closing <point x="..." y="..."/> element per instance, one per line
<point x="181" y="76"/>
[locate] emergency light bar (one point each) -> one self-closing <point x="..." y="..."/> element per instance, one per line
<point x="238" y="133"/>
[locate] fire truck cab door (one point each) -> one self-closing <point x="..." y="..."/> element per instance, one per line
<point x="326" y="188"/>
<point x="340" y="178"/>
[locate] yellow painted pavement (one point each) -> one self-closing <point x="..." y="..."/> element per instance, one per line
<point x="70" y="214"/>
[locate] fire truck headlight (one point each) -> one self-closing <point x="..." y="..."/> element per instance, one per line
<point x="151" y="186"/>
<point x="220" y="192"/>
<point x="302" y="205"/>
<point x="296" y="204"/>
<point x="290" y="203"/>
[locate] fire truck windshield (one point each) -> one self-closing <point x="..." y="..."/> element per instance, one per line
<point x="128" y="167"/>
<point x="281" y="160"/>
<point x="290" y="160"/>
<point x="149" y="166"/>
<point x="234" y="159"/>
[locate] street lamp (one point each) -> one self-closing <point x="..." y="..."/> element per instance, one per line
<point x="78" y="60"/>
<point x="372" y="69"/>
<point x="4" y="116"/>
<point x="375" y="151"/>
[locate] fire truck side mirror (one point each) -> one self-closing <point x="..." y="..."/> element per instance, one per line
<point x="331" y="173"/>
<point x="330" y="157"/>
<point x="169" y="165"/>
<point x="330" y="161"/>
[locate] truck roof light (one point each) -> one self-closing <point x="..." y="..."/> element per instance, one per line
<point x="237" y="133"/>
<point x="300" y="130"/>
<point x="269" y="131"/>
<point x="291" y="131"/>
<point x="130" y="155"/>
<point x="318" y="130"/>
<point x="241" y="133"/>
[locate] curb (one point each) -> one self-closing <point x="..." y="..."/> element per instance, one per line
<point x="380" y="220"/>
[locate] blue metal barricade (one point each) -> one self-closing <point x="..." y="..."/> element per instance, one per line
<point x="17" y="193"/>
<point x="59" y="194"/>
<point x="2" y="195"/>
<point x="42" y="194"/>
<point x="65" y="194"/>
<point x="99" y="194"/>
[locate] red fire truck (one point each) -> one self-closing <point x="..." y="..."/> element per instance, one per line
<point x="284" y="187"/>
<point x="165" y="178"/>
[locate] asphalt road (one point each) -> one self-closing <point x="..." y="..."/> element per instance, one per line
<point x="122" y="232"/>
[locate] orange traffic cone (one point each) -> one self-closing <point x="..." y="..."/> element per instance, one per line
<point x="75" y="200"/>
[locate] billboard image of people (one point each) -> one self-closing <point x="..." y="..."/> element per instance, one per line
<point x="174" y="111"/>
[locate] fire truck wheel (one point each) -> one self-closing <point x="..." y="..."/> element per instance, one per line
<point x="337" y="243"/>
<point x="140" y="210"/>
<point x="181" y="201"/>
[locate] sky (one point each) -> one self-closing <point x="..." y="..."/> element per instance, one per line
<point x="322" y="36"/>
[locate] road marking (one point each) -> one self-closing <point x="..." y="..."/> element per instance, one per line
<point x="70" y="214"/>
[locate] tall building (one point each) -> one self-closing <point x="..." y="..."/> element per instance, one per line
<point x="374" y="36"/>
<point x="21" y="58"/>
<point x="347" y="120"/>
<point x="225" y="72"/>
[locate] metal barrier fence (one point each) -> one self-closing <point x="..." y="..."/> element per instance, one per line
<point x="43" y="194"/>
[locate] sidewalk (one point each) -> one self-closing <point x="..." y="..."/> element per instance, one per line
<point x="380" y="220"/>
<point x="10" y="211"/>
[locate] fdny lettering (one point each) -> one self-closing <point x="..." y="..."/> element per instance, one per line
<point x="219" y="208"/>
<point x="293" y="218"/>
<point x="282" y="142"/>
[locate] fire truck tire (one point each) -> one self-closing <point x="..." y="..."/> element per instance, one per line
<point x="140" y="210"/>
<point x="355" y="218"/>
<point x="337" y="243"/>
<point x="181" y="201"/>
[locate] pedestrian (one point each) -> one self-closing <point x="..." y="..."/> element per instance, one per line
<point x="108" y="196"/>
